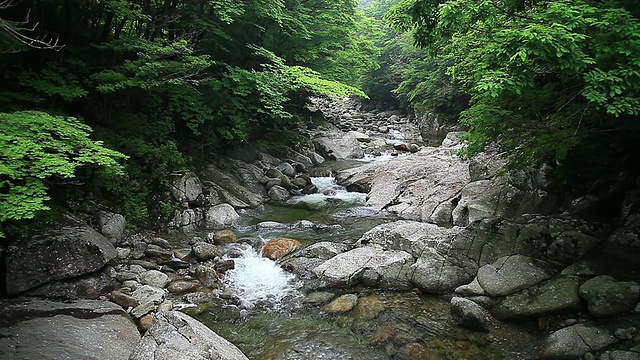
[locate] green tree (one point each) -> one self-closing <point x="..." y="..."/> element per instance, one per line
<point x="546" y="78"/>
<point x="171" y="82"/>
<point x="39" y="149"/>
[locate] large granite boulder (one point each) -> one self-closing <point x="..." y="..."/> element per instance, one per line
<point x="445" y="257"/>
<point x="574" y="341"/>
<point x="556" y="296"/>
<point x="416" y="187"/>
<point x="47" y="330"/>
<point x="58" y="253"/>
<point x="510" y="274"/>
<point x="339" y="145"/>
<point x="383" y="268"/>
<point x="175" y="335"/>
<point x="186" y="188"/>
<point x="605" y="296"/>
<point x="221" y="216"/>
<point x="556" y="240"/>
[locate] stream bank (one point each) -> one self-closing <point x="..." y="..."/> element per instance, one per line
<point x="434" y="235"/>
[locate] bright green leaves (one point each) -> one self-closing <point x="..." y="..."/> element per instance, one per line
<point x="542" y="77"/>
<point x="37" y="148"/>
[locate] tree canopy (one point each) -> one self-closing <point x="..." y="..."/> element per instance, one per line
<point x="162" y="82"/>
<point x="545" y="77"/>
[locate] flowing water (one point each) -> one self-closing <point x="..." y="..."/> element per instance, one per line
<point x="273" y="316"/>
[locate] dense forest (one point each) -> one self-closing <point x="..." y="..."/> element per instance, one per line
<point x="116" y="95"/>
<point x="112" y="96"/>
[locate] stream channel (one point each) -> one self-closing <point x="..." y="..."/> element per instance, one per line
<point x="274" y="314"/>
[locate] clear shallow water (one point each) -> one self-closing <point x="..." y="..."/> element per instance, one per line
<point x="384" y="325"/>
<point x="270" y="319"/>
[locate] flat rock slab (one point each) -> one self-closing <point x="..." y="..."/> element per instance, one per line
<point x="83" y="329"/>
<point x="175" y="335"/>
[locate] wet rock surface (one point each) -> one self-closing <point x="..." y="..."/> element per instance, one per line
<point x="83" y="329"/>
<point x="62" y="252"/>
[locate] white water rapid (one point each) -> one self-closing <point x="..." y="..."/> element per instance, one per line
<point x="257" y="280"/>
<point x="328" y="192"/>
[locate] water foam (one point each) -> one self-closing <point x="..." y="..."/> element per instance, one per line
<point x="260" y="281"/>
<point x="328" y="193"/>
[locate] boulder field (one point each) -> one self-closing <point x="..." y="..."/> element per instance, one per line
<point x="498" y="244"/>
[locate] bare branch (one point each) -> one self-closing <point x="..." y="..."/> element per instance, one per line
<point x="16" y="30"/>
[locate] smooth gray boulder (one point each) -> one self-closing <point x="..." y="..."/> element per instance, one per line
<point x="59" y="253"/>
<point x="556" y="296"/>
<point x="205" y="251"/>
<point x="574" y="341"/>
<point x="186" y="188"/>
<point x="148" y="293"/>
<point x="154" y="278"/>
<point x="175" y="335"/>
<point x="510" y="274"/>
<point x="83" y="329"/>
<point x="111" y="225"/>
<point x="468" y="314"/>
<point x="286" y="169"/>
<point x="388" y="268"/>
<point x="221" y="216"/>
<point x="605" y="296"/>
<point x="338" y="145"/>
<point x="278" y="194"/>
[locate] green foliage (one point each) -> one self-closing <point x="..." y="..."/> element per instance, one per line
<point x="542" y="77"/>
<point x="165" y="82"/>
<point x="37" y="149"/>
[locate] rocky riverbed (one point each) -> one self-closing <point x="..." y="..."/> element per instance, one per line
<point x="376" y="245"/>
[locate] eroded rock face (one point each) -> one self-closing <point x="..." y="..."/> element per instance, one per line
<point x="60" y="253"/>
<point x="84" y="329"/>
<point x="175" y="335"/>
<point x="444" y="258"/>
<point x="413" y="186"/>
<point x="339" y="145"/>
